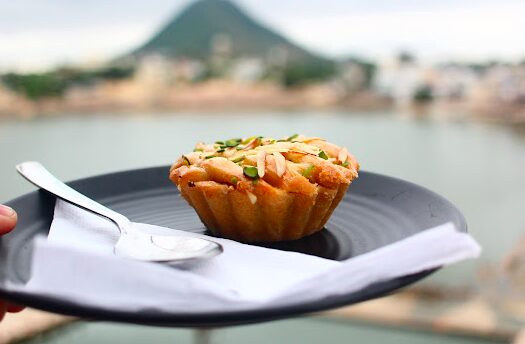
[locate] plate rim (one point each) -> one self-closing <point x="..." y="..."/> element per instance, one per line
<point x="219" y="318"/>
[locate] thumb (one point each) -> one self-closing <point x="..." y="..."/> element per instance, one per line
<point x="3" y="309"/>
<point x="8" y="219"/>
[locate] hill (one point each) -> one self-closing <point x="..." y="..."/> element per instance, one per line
<point x="192" y="32"/>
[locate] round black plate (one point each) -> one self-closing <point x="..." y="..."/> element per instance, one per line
<point x="377" y="211"/>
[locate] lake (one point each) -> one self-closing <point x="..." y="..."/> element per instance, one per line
<point x="479" y="167"/>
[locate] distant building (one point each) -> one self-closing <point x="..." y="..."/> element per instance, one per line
<point x="221" y="45"/>
<point x="186" y="70"/>
<point x="277" y="56"/>
<point x="399" y="78"/>
<point x="154" y="70"/>
<point x="352" y="77"/>
<point x="454" y="82"/>
<point x="503" y="84"/>
<point x="247" y="70"/>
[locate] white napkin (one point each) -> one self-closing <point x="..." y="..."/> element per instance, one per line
<point x="76" y="263"/>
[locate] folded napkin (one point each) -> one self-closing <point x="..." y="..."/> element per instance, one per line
<point x="76" y="263"/>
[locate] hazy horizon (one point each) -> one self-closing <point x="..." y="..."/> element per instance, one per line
<point x="39" y="35"/>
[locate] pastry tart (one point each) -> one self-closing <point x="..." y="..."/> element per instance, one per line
<point x="260" y="189"/>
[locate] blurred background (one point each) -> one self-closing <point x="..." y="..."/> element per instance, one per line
<point x="432" y="92"/>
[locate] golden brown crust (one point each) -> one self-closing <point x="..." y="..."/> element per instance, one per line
<point x="289" y="191"/>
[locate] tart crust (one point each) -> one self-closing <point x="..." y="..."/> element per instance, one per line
<point x="256" y="198"/>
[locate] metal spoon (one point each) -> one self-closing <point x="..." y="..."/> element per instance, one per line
<point x="132" y="242"/>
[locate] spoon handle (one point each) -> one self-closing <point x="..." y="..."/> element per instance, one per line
<point x="37" y="174"/>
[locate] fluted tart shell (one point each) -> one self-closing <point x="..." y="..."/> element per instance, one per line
<point x="265" y="190"/>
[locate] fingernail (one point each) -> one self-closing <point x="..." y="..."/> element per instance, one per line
<point x="6" y="211"/>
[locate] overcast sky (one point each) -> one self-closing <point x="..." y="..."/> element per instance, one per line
<point x="36" y="34"/>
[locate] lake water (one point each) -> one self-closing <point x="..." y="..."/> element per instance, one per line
<point x="479" y="167"/>
<point x="312" y="330"/>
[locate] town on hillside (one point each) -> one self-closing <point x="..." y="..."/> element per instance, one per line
<point x="233" y="62"/>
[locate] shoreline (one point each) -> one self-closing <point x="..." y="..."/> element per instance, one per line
<point x="235" y="109"/>
<point x="221" y="96"/>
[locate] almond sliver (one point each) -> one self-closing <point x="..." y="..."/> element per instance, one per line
<point x="308" y="139"/>
<point x="252" y="197"/>
<point x="261" y="163"/>
<point x="343" y="154"/>
<point x="280" y="163"/>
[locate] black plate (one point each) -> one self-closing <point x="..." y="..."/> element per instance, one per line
<point x="377" y="211"/>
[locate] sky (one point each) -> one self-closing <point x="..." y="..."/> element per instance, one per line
<point x="41" y="34"/>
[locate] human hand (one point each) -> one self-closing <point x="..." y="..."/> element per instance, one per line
<point x="8" y="219"/>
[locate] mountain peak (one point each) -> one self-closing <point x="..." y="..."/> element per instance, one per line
<point x="206" y="27"/>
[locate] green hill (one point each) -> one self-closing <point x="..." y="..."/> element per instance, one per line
<point x="190" y="35"/>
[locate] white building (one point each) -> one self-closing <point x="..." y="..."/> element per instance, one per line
<point x="399" y="79"/>
<point x="247" y="70"/>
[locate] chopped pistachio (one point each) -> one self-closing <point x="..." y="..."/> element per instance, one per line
<point x="232" y="142"/>
<point x="323" y="155"/>
<point x="221" y="150"/>
<point x="239" y="147"/>
<point x="250" y="171"/>
<point x="292" y="137"/>
<point x="234" y="180"/>
<point x="219" y="142"/>
<point x="198" y="150"/>
<point x="209" y="156"/>
<point x="345" y="164"/>
<point x="239" y="158"/>
<point x="186" y="160"/>
<point x="308" y="171"/>
<point x="248" y="140"/>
